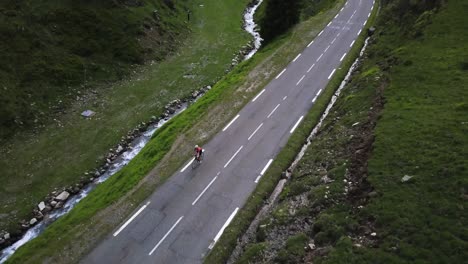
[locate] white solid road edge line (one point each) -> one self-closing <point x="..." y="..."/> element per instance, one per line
<point x="315" y="98"/>
<point x="131" y="219"/>
<point x="222" y="228"/>
<point x="295" y="126"/>
<point x="233" y="156"/>
<point x="266" y="167"/>
<point x="188" y="164"/>
<point x="331" y="74"/>
<point x="204" y="190"/>
<point x="251" y="135"/>
<point x="258" y="95"/>
<point x="264" y="170"/>
<point x="230" y="123"/>
<point x="281" y="73"/>
<point x="297" y="57"/>
<point x="342" y="57"/>
<point x="303" y="76"/>
<point x="164" y="237"/>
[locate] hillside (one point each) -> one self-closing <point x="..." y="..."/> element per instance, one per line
<point x="64" y="150"/>
<point x="385" y="179"/>
<point x="53" y="51"/>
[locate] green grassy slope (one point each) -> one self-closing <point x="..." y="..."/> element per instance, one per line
<point x="32" y="165"/>
<point x="53" y="49"/>
<point x="403" y="113"/>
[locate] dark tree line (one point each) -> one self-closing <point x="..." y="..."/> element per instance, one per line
<point x="278" y="17"/>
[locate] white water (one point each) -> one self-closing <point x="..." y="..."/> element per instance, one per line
<point x="136" y="146"/>
<point x="251" y="27"/>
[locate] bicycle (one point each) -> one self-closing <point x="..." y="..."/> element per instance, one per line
<point x="198" y="160"/>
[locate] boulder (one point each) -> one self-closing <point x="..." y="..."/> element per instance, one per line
<point x="33" y="221"/>
<point x="47" y="209"/>
<point x="62" y="196"/>
<point x="7" y="236"/>
<point x="58" y="205"/>
<point x="406" y="178"/>
<point x="41" y="206"/>
<point x="53" y="203"/>
<point x="88" y="113"/>
<point x="119" y="149"/>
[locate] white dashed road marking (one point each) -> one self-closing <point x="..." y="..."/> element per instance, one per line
<point x="300" y="80"/>
<point x="273" y="111"/>
<point x="255" y="131"/>
<point x="167" y="234"/>
<point x="233" y="156"/>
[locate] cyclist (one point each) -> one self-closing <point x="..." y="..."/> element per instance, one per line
<point x="198" y="153"/>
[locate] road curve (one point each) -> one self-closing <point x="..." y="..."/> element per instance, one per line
<point x="185" y="217"/>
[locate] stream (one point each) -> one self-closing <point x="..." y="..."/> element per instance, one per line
<point x="123" y="159"/>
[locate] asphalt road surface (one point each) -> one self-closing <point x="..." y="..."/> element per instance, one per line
<point x="183" y="219"/>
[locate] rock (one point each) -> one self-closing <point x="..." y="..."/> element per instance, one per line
<point x="312" y="246"/>
<point x="63" y="196"/>
<point x="372" y="194"/>
<point x="41" y="206"/>
<point x="7" y="236"/>
<point x="88" y="113"/>
<point x="58" y="205"/>
<point x="119" y="149"/>
<point x="406" y="178"/>
<point x="33" y="221"/>
<point x="39" y="215"/>
<point x="47" y="209"/>
<point x="53" y="203"/>
<point x="373" y="234"/>
<point x="194" y="94"/>
<point x="358" y="245"/>
<point x="2" y="241"/>
<point x="325" y="179"/>
<point x="355" y="124"/>
<point x="371" y="31"/>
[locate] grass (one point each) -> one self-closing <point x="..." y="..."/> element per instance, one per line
<point x="54" y="49"/>
<point x="172" y="142"/>
<point x="32" y="165"/>
<point x="421" y="132"/>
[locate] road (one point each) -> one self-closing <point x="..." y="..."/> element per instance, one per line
<point x="185" y="217"/>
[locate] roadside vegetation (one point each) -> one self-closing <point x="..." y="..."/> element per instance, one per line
<point x="385" y="179"/>
<point x="59" y="154"/>
<point x="106" y="207"/>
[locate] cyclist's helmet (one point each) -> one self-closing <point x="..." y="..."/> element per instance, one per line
<point x="196" y="146"/>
